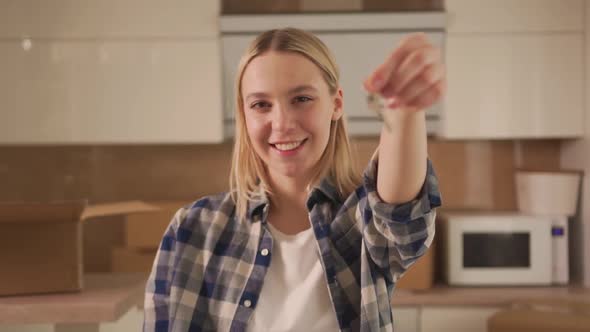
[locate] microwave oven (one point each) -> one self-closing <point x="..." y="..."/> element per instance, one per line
<point x="503" y="248"/>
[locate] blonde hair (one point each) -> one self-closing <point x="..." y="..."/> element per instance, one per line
<point x="248" y="178"/>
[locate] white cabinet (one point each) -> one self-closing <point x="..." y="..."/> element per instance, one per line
<point x="406" y="318"/>
<point x="455" y="319"/>
<point x="514" y="86"/>
<point x="448" y="318"/>
<point x="355" y="65"/>
<point x="108" y="18"/>
<point x="152" y="74"/>
<point x="485" y="16"/>
<point x="110" y="92"/>
<point x="359" y="43"/>
<point x="512" y="74"/>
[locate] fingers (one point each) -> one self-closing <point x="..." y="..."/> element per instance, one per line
<point x="419" y="83"/>
<point x="427" y="97"/>
<point x="420" y="65"/>
<point x="412" y="76"/>
<point x="382" y="75"/>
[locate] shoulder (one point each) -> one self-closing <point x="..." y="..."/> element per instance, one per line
<point x="204" y="212"/>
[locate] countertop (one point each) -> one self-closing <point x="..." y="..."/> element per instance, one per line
<point x="443" y="295"/>
<point x="105" y="298"/>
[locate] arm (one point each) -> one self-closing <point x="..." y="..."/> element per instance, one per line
<point x="401" y="187"/>
<point x="411" y="79"/>
<point x="402" y="157"/>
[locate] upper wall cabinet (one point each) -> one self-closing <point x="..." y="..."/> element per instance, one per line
<point x="359" y="42"/>
<point x="110" y="72"/>
<point x="61" y="92"/>
<point x="108" y="18"/>
<point x="488" y="16"/>
<point x="514" y="69"/>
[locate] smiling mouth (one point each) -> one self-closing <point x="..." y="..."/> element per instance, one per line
<point x="290" y="146"/>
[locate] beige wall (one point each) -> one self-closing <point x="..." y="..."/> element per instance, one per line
<point x="576" y="154"/>
<point x="476" y="174"/>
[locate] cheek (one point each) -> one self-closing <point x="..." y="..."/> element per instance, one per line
<point x="321" y="124"/>
<point x="256" y="132"/>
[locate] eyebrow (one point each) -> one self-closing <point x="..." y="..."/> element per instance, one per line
<point x="301" y="88"/>
<point x="297" y="89"/>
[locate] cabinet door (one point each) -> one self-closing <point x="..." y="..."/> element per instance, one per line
<point x="455" y="319"/>
<point x="406" y="319"/>
<point x="110" y="92"/>
<point x="514" y="86"/>
<point x="357" y="55"/>
<point x="108" y="18"/>
<point x="467" y="16"/>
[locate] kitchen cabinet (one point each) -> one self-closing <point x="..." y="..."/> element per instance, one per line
<point x="371" y="47"/>
<point x="514" y="69"/>
<point x="504" y="16"/>
<point x="406" y="318"/>
<point x="359" y="43"/>
<point x="455" y="319"/>
<point x="428" y="318"/>
<point x="59" y="19"/>
<point x="70" y="92"/>
<point x="514" y="86"/>
<point x="152" y="74"/>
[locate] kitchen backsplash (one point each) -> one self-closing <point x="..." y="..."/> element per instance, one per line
<point x="472" y="174"/>
<point x="476" y="174"/>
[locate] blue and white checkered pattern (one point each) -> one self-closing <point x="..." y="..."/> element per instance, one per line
<point x="209" y="269"/>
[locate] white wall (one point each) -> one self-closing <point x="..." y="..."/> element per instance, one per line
<point x="576" y="154"/>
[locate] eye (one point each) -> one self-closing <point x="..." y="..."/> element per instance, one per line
<point x="260" y="105"/>
<point x="301" y="99"/>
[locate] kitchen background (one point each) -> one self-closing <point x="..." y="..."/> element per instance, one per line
<point x="122" y="100"/>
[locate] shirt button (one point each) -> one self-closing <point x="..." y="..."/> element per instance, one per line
<point x="264" y="252"/>
<point x="247" y="303"/>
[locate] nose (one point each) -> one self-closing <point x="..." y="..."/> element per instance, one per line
<point x="283" y="119"/>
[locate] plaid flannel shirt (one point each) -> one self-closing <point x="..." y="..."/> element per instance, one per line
<point x="210" y="267"/>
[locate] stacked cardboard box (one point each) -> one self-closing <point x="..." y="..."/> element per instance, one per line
<point x="41" y="243"/>
<point x="143" y="234"/>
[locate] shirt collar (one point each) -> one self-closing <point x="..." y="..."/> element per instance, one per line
<point x="324" y="191"/>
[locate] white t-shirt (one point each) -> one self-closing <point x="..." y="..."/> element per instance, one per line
<point x="295" y="294"/>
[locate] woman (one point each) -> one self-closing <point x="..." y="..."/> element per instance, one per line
<point x="300" y="243"/>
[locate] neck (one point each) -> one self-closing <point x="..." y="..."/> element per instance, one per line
<point x="288" y="212"/>
<point x="289" y="193"/>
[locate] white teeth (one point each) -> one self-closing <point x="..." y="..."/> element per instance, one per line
<point x="288" y="146"/>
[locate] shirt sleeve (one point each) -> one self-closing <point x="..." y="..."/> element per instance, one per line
<point x="157" y="291"/>
<point x="396" y="235"/>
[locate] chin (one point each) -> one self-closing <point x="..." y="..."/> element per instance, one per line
<point x="291" y="171"/>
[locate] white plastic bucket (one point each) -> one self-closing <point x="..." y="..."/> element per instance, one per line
<point x="548" y="193"/>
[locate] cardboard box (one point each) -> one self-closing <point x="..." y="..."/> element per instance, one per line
<point x="543" y="316"/>
<point x="420" y="275"/>
<point x="145" y="230"/>
<point x="132" y="260"/>
<point x="41" y="243"/>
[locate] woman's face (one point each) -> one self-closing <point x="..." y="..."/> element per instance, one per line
<point x="288" y="110"/>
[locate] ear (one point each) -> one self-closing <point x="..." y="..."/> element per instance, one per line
<point x="338" y="105"/>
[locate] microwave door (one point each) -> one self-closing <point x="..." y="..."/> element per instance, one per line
<point x="496" y="250"/>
